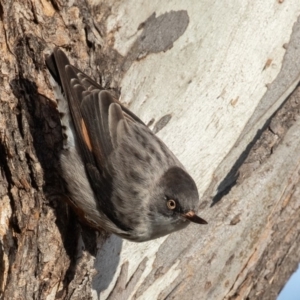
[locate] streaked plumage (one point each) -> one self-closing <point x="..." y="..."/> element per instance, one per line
<point x="120" y="176"/>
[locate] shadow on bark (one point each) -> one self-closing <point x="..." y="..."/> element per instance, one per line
<point x="42" y="120"/>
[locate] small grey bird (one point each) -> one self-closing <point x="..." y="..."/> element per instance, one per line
<point x="120" y="176"/>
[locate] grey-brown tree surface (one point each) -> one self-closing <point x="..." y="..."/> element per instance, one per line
<point x="218" y="83"/>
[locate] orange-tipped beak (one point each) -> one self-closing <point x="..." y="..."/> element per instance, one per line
<point x="191" y="216"/>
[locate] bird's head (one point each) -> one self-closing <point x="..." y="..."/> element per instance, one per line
<point x="174" y="202"/>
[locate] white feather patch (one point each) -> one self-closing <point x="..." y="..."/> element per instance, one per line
<point x="65" y="116"/>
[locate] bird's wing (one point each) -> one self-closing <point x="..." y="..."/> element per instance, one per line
<point x="98" y="120"/>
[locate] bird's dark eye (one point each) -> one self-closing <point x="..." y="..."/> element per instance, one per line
<point x="171" y="204"/>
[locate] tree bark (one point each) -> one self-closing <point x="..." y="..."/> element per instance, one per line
<point x="40" y="258"/>
<point x="245" y="157"/>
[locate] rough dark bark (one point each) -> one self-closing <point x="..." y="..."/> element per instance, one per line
<point x="281" y="257"/>
<point x="39" y="233"/>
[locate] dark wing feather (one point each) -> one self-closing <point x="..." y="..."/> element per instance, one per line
<point x="100" y="187"/>
<point x="103" y="118"/>
<point x="87" y="83"/>
<point x="91" y="85"/>
<point x="115" y="117"/>
<point x="58" y="65"/>
<point x="94" y="109"/>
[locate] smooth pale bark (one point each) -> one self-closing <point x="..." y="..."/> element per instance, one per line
<point x="208" y="77"/>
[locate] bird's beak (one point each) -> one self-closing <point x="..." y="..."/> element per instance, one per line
<point x="191" y="216"/>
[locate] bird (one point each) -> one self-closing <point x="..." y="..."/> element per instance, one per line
<point x="120" y="177"/>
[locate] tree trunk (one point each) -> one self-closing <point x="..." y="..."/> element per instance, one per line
<point x="211" y="79"/>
